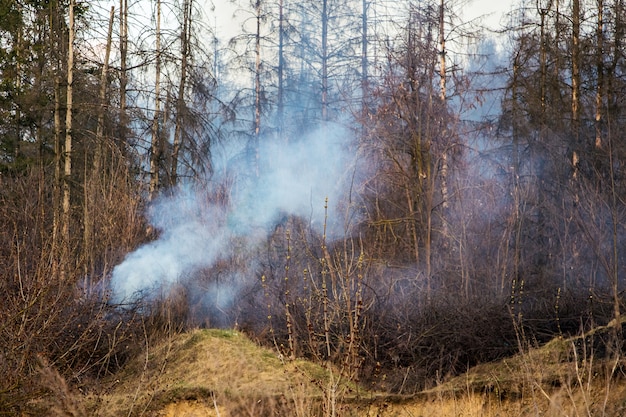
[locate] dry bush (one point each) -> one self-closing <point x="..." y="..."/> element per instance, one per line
<point x="412" y="342"/>
<point x="61" y="401"/>
<point x="379" y="325"/>
<point x="166" y="315"/>
<point x="55" y="309"/>
<point x="405" y="339"/>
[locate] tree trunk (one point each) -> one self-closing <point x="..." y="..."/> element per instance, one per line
<point x="442" y="96"/>
<point x="67" y="151"/>
<point x="123" y="70"/>
<point x="517" y="222"/>
<point x="576" y="80"/>
<point x="324" y="62"/>
<point x="543" y="13"/>
<point x="281" y="69"/>
<point x="364" y="60"/>
<point x="442" y="52"/>
<point x="600" y="73"/>
<point x="615" y="212"/>
<point x="541" y="256"/>
<point x="180" y="101"/>
<point x="618" y="38"/>
<point x="92" y="179"/>
<point x="611" y="100"/>
<point x="103" y="91"/>
<point x="257" y="87"/>
<point x="155" y="156"/>
<point x="18" y="87"/>
<point x="67" y="169"/>
<point x="58" y="180"/>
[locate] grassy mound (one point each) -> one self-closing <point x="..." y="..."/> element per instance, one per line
<point x="581" y="375"/>
<point x="221" y="372"/>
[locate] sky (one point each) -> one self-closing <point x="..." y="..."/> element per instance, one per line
<point x="492" y="11"/>
<point x="227" y="23"/>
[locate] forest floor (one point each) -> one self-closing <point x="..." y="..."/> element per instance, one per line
<point x="223" y="373"/>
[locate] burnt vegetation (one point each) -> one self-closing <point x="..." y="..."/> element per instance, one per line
<point x="481" y="207"/>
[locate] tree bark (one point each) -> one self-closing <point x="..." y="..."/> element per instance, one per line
<point x="257" y="87"/>
<point x="92" y="179"/>
<point x="324" y="62"/>
<point x="281" y="70"/>
<point x="58" y="180"/>
<point x="442" y="96"/>
<point x="576" y="78"/>
<point x="600" y="73"/>
<point x="180" y="101"/>
<point x="123" y="70"/>
<point x="543" y="11"/>
<point x="67" y="151"/>
<point x="364" y="59"/>
<point x="155" y="156"/>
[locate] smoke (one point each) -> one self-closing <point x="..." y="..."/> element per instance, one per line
<point x="186" y="243"/>
<point x="197" y="231"/>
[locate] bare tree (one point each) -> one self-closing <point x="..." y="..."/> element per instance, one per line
<point x="599" y="56"/>
<point x="90" y="189"/>
<point x="576" y="80"/>
<point x="180" y="100"/>
<point x="281" y="71"/>
<point x="257" y="85"/>
<point x="123" y="46"/>
<point x="67" y="149"/>
<point x="156" y="145"/>
<point x="324" y="59"/>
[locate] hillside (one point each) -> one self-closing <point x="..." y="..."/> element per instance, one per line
<point x="566" y="377"/>
<point x="220" y="373"/>
<point x="223" y="373"/>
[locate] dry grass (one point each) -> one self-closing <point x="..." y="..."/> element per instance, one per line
<point x="216" y="370"/>
<point x="577" y="376"/>
<point x="223" y="374"/>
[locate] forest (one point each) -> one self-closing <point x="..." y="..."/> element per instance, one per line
<point x="382" y="185"/>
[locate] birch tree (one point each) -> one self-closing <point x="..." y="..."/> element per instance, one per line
<point x="156" y="142"/>
<point x="67" y="149"/>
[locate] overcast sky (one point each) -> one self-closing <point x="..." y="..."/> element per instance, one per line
<point x="492" y="11"/>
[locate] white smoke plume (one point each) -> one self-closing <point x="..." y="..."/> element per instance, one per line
<point x="294" y="179"/>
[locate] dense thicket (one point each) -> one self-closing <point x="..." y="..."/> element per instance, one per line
<point x="483" y="204"/>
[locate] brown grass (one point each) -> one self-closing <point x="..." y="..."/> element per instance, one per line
<point x="215" y="370"/>
<point x="221" y="373"/>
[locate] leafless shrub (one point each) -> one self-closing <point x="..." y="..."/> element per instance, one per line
<point x="61" y="401"/>
<point x="53" y="310"/>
